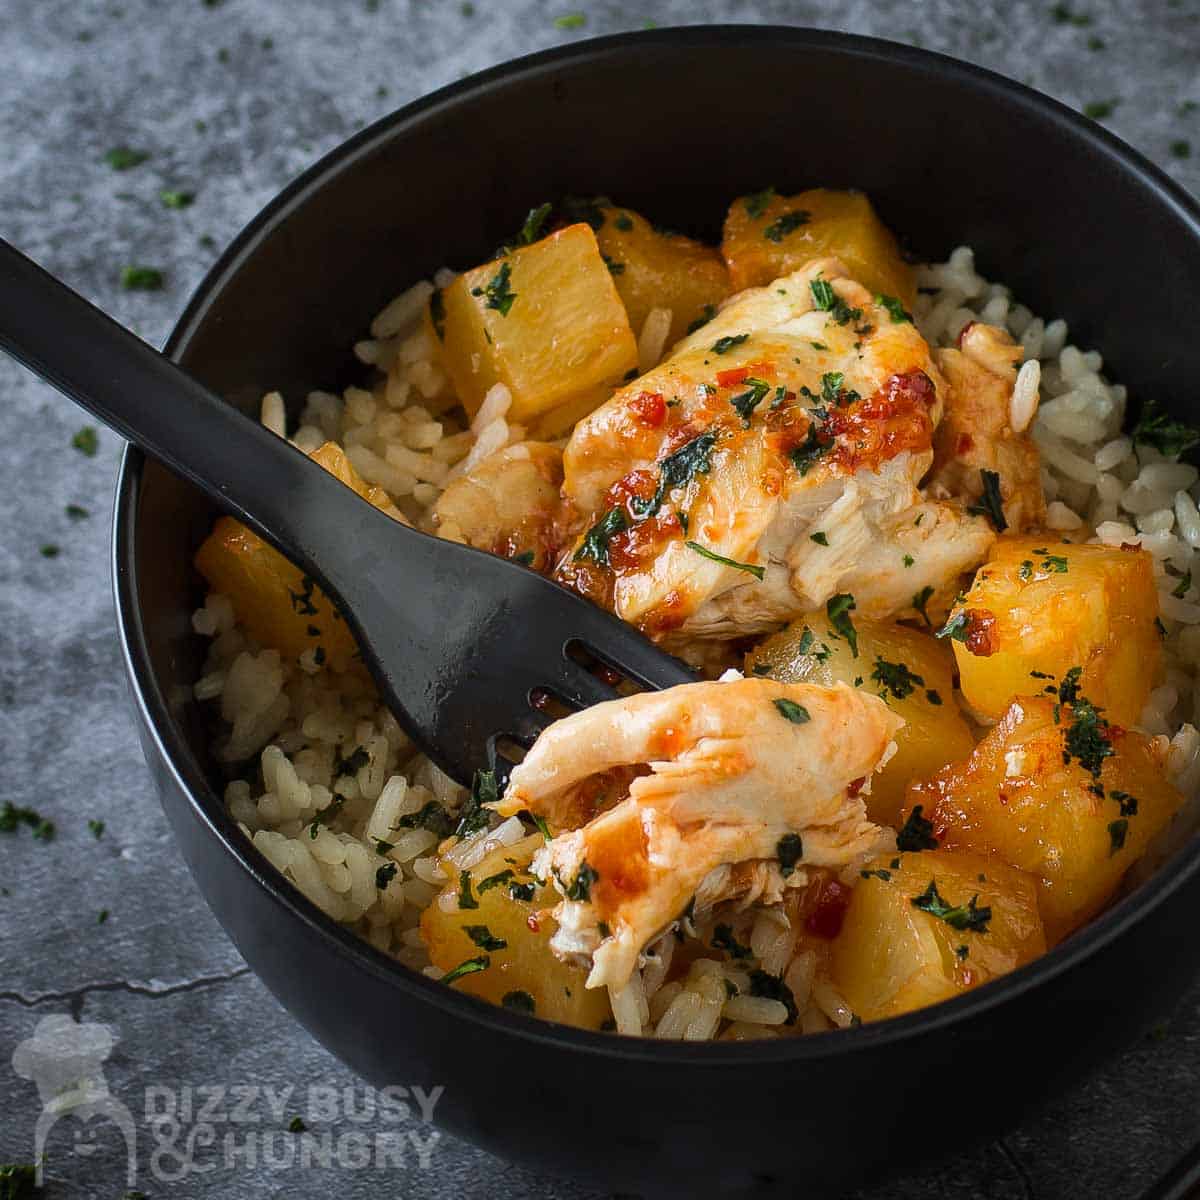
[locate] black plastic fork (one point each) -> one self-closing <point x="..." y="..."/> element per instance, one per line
<point x="463" y="645"/>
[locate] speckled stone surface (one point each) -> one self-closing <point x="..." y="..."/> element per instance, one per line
<point x="231" y="99"/>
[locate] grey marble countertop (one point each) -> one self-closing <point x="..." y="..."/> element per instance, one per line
<point x="231" y="99"/>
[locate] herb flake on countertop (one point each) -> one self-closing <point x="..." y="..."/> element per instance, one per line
<point x="297" y="1125"/>
<point x="573" y="20"/>
<point x="123" y="158"/>
<point x="176" y="199"/>
<point x="1098" y="110"/>
<point x="77" y="512"/>
<point x="86" y="441"/>
<point x="13" y="816"/>
<point x="141" y="279"/>
<point x="96" y="828"/>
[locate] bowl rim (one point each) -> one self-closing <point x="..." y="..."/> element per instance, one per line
<point x="206" y="805"/>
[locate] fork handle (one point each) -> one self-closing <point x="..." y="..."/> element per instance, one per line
<point x="250" y="472"/>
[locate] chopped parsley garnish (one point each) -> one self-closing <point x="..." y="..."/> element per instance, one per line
<point x="962" y="951"/>
<point x="465" y="897"/>
<point x="384" y="875"/>
<point x="784" y="224"/>
<point x="141" y="279"/>
<point x="1181" y="588"/>
<point x="614" y="267"/>
<point x="122" y="158"/>
<point x="86" y="441"/>
<point x="480" y="962"/>
<point x="827" y="300"/>
<point x="1168" y="436"/>
<point x="746" y="402"/>
<point x="789" y="850"/>
<point x="677" y="470"/>
<point x="756" y="203"/>
<point x="816" y="443"/>
<point x="483" y="937"/>
<point x="770" y="987"/>
<point x="920" y="600"/>
<point x="533" y="228"/>
<point x="706" y="314"/>
<point x="916" y="833"/>
<point x="524" y="559"/>
<point x="497" y="880"/>
<point x="1087" y="738"/>
<point x="431" y="816"/>
<point x="791" y="711"/>
<point x="957" y="916"/>
<point x="955" y="628"/>
<point x="520" y="891"/>
<point x="519" y="1001"/>
<point x="325" y="815"/>
<point x="908" y="560"/>
<point x="437" y="313"/>
<point x="12" y="817"/>
<point x="895" y="678"/>
<point x="838" y="609"/>
<point x="898" y="313"/>
<point x="705" y="552"/>
<point x="540" y="824"/>
<point x="820" y="537"/>
<point x="881" y="873"/>
<point x="174" y="199"/>
<point x="474" y="816"/>
<point x="352" y="763"/>
<point x="990" y="504"/>
<point x="96" y="828"/>
<point x="1026" y="571"/>
<point x="623" y="222"/>
<point x="832" y="391"/>
<point x="383" y="848"/>
<point x="932" y="696"/>
<point x="1068" y="689"/>
<point x="723" y="939"/>
<point x="1128" y="803"/>
<point x="1056" y="564"/>
<point x="595" y="543"/>
<point x="580" y="888"/>
<point x="1117" y="831"/>
<point x="498" y="292"/>
<point x="724" y="344"/>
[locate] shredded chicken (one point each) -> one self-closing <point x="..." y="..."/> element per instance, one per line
<point x="976" y="433"/>
<point x="508" y="504"/>
<point x="733" y="768"/>
<point x="802" y="409"/>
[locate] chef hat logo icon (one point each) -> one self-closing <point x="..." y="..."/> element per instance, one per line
<point x="64" y="1059"/>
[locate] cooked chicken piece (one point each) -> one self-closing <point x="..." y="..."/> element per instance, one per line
<point x="508" y="504"/>
<point x="976" y="433"/>
<point x="802" y="409"/>
<point x="740" y="770"/>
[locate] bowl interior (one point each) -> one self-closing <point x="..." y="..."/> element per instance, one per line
<point x="673" y="124"/>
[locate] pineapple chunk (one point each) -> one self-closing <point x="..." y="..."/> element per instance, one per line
<point x="524" y="968"/>
<point x="911" y="671"/>
<point x="893" y="955"/>
<point x="272" y="598"/>
<point x="1015" y="797"/>
<point x="768" y="235"/>
<point x="546" y="321"/>
<point x="660" y="270"/>
<point x="1038" y="608"/>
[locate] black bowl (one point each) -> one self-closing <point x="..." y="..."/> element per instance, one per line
<point x="673" y="123"/>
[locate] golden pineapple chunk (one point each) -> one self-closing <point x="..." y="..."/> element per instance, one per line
<point x="1075" y="826"/>
<point x="273" y="599"/>
<point x="660" y="270"/>
<point x="546" y="321"/>
<point x="1037" y="608"/>
<point x="927" y="926"/>
<point x="768" y="235"/>
<point x="908" y="668"/>
<point x="486" y="921"/>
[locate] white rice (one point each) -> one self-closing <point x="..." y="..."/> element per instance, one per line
<point x="291" y="727"/>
